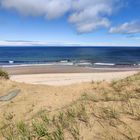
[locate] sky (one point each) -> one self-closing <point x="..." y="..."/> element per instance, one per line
<point x="70" y="22"/>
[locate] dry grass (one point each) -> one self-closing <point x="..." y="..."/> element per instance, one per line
<point x="3" y="74"/>
<point x="107" y="111"/>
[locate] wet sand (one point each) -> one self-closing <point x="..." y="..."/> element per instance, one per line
<point x="47" y="69"/>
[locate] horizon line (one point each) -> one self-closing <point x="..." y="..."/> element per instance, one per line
<point x="24" y="43"/>
<point x="68" y="46"/>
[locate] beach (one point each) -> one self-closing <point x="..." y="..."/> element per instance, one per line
<point x="63" y="95"/>
<point x="69" y="65"/>
<point x="84" y="94"/>
<point x="65" y="75"/>
<point x="69" y="78"/>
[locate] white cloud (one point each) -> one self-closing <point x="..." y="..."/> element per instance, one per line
<point x="86" y="15"/>
<point x="91" y="15"/>
<point x="127" y="28"/>
<point x="47" y="8"/>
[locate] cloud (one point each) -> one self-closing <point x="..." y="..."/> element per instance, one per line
<point x="90" y="15"/>
<point x="126" y="28"/>
<point x="48" y="8"/>
<point x="86" y="15"/>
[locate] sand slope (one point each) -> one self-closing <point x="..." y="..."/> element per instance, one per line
<point x="32" y="98"/>
<point x="108" y="110"/>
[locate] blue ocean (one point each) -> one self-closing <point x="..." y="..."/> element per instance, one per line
<point x="75" y="55"/>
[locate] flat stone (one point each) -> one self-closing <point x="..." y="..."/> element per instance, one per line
<point x="10" y="95"/>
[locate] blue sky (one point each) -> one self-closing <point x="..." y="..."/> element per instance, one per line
<point x="70" y="22"/>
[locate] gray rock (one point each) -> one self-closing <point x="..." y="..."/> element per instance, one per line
<point x="10" y="95"/>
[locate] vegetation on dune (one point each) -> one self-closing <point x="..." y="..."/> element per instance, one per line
<point x="4" y="74"/>
<point x="109" y="111"/>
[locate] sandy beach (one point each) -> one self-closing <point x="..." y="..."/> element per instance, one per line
<point x="26" y="96"/>
<point x="66" y="75"/>
<point x="32" y="100"/>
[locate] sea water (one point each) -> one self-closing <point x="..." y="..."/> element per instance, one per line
<point x="82" y="56"/>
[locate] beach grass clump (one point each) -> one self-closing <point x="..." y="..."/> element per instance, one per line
<point x="44" y="127"/>
<point x="4" y="74"/>
<point x="23" y="130"/>
<point x="50" y="127"/>
<point x="109" y="113"/>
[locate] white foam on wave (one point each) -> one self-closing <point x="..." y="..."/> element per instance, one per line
<point x="64" y="61"/>
<point x="83" y="64"/>
<point x="11" y="62"/>
<point x="46" y="64"/>
<point x="105" y="64"/>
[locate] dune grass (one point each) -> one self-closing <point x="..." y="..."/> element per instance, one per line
<point x="110" y="111"/>
<point x="4" y="74"/>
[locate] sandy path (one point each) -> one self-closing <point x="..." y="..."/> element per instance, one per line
<point x="69" y="78"/>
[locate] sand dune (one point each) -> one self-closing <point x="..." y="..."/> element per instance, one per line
<point x="94" y="110"/>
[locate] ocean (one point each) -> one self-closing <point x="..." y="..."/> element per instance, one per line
<point x="86" y="56"/>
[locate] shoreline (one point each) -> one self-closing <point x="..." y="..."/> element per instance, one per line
<point x="56" y="69"/>
<point x="61" y="75"/>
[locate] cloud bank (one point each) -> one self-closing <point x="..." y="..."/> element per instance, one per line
<point x="86" y="15"/>
<point x="126" y="28"/>
<point x="61" y="44"/>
